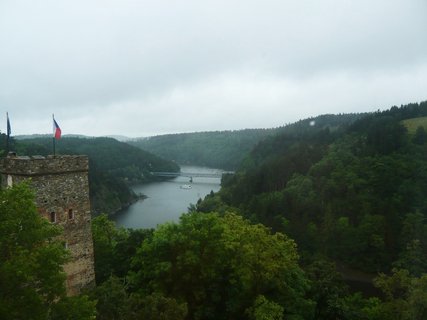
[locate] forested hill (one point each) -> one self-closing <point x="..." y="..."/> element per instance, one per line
<point x="319" y="128"/>
<point x="113" y="165"/>
<point x="217" y="149"/>
<point x="356" y="194"/>
<point x="115" y="157"/>
<point x="227" y="149"/>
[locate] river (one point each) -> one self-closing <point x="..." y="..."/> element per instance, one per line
<point x="166" y="200"/>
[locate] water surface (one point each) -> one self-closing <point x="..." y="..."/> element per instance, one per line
<point x="167" y="200"/>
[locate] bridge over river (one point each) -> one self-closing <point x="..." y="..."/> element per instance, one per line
<point x="191" y="174"/>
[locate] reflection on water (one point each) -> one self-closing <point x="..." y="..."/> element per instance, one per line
<point x="167" y="200"/>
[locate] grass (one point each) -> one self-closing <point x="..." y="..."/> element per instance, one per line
<point x="413" y="124"/>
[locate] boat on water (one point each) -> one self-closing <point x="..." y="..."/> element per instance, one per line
<point x="185" y="186"/>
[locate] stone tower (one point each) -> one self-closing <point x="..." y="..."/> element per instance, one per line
<point x="62" y="196"/>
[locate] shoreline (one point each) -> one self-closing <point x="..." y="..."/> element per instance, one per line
<point x="138" y="197"/>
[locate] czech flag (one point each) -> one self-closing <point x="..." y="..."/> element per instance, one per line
<point x="56" y="130"/>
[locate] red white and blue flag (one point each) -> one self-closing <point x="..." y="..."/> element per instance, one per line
<point x="56" y="130"/>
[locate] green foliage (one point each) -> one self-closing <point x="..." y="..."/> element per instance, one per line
<point x="105" y="236"/>
<point x="263" y="309"/>
<point x="31" y="275"/>
<point x="212" y="202"/>
<point x="107" y="193"/>
<point x="115" y="303"/>
<point x="385" y="135"/>
<point x="405" y="297"/>
<point x="220" y="266"/>
<point x="114" y="248"/>
<point x="420" y="136"/>
<point x="156" y="307"/>
<point x="327" y="290"/>
<point x="340" y="188"/>
<point x="219" y="149"/>
<point x="112" y="300"/>
<point x="413" y="239"/>
<point x="74" y="308"/>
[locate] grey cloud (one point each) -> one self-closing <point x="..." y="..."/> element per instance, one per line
<point x="85" y="58"/>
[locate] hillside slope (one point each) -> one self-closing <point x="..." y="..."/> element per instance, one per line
<point x="216" y="149"/>
<point x="113" y="166"/>
<point x="225" y="149"/>
<point x="357" y="194"/>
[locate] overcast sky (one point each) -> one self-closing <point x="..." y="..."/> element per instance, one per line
<point x="140" y="68"/>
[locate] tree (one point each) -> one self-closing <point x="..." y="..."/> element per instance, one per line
<point x="112" y="299"/>
<point x="32" y="280"/>
<point x="265" y="310"/>
<point x="105" y="236"/>
<point x="327" y="290"/>
<point x="114" y="248"/>
<point x="156" y="307"/>
<point x="74" y="308"/>
<point x="115" y="303"/>
<point x="420" y="136"/>
<point x="413" y="254"/>
<point x="220" y="266"/>
<point x="405" y="297"/>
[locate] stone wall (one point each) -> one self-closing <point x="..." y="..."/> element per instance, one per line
<point x="62" y="196"/>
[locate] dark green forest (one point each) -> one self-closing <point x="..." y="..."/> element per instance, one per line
<point x="356" y="193"/>
<point x="226" y="150"/>
<point x="220" y="149"/>
<point x="113" y="166"/>
<point x="320" y="202"/>
<point x="207" y="266"/>
<point x="343" y="197"/>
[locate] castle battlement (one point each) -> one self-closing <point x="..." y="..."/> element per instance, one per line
<point x="39" y="165"/>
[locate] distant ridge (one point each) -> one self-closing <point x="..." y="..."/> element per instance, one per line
<point x="119" y="138"/>
<point x="48" y="135"/>
<point x="228" y="149"/>
<point x="82" y="136"/>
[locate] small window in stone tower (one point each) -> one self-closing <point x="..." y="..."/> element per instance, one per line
<point x="52" y="217"/>
<point x="70" y="214"/>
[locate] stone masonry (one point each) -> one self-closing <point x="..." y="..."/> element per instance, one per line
<point x="62" y="196"/>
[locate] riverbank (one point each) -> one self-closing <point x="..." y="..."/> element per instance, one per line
<point x="139" y="197"/>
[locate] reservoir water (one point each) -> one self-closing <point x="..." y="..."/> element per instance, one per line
<point x="167" y="200"/>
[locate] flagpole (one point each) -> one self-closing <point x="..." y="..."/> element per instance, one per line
<point x="8" y="134"/>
